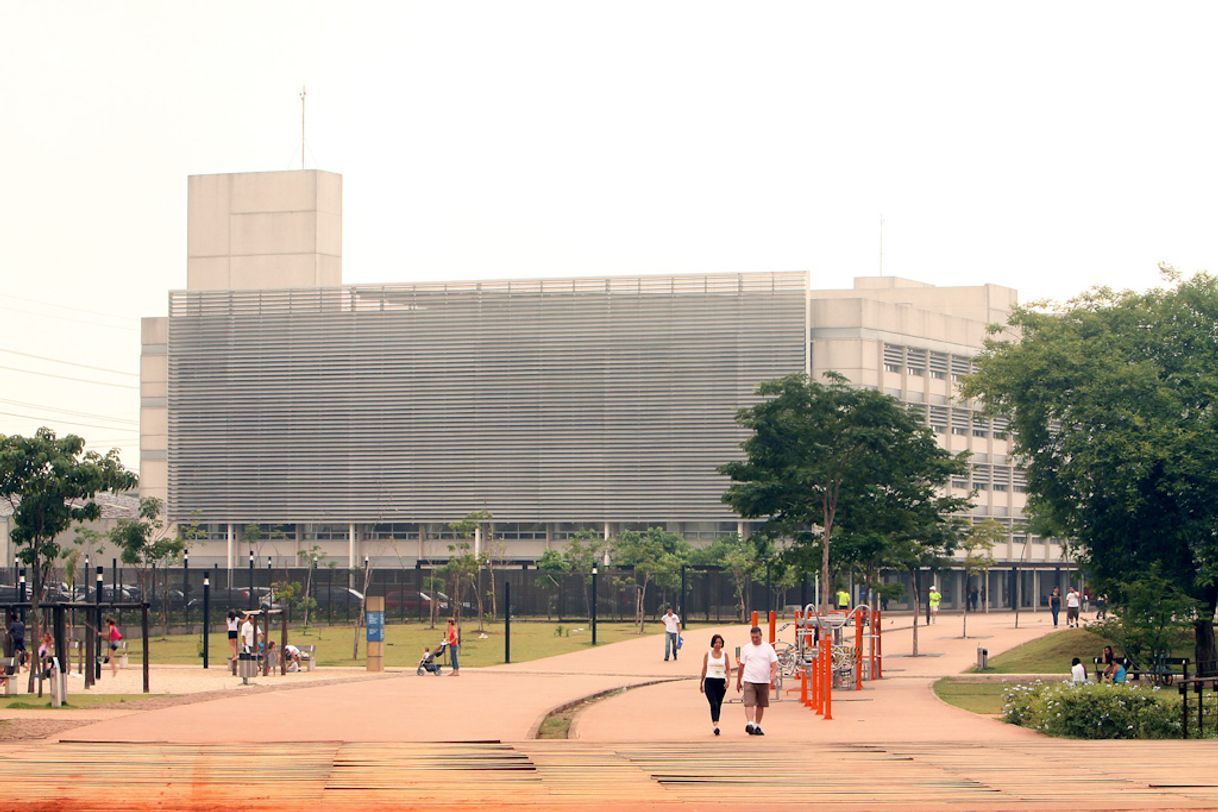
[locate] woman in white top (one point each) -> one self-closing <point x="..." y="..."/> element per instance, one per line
<point x="232" y="635"/>
<point x="715" y="667"/>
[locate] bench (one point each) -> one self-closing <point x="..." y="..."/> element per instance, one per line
<point x="1163" y="672"/>
<point x="10" y="680"/>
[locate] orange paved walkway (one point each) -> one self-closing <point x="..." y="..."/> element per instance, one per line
<point x="401" y="741"/>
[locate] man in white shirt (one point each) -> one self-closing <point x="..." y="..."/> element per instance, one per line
<point x="755" y="676"/>
<point x="247" y="632"/>
<point x="672" y="630"/>
<point x="1073" y="602"/>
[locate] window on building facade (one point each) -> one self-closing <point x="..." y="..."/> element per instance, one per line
<point x="395" y="530"/>
<point x="520" y="531"/>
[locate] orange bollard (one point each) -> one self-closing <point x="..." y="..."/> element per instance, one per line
<point x="814" y="676"/>
<point x="754" y="618"/>
<point x="858" y="651"/>
<point x="773" y="626"/>
<point x="827" y="651"/>
<point x="803" y="689"/>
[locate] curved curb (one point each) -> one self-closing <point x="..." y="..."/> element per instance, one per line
<point x="588" y="699"/>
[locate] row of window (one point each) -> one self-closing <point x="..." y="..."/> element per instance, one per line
<point x="919" y="362"/>
<point x="505" y="531"/>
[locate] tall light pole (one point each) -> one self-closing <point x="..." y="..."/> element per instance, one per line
<point x="594" y="604"/>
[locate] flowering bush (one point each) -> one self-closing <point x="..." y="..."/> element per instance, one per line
<point x="1094" y="710"/>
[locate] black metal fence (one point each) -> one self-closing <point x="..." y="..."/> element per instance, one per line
<point x="709" y="595"/>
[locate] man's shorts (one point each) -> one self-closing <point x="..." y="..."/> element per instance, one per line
<point x="756" y="695"/>
<point x="1072" y="613"/>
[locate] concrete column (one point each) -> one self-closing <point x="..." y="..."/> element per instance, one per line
<point x="1035" y="590"/>
<point x="989" y="599"/>
<point x="228" y="552"/>
<point x="351" y="545"/>
<point x="740" y="529"/>
<point x="606" y="537"/>
<point x="477" y="541"/>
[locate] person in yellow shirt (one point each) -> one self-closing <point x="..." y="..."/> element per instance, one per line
<point x="935" y="597"/>
<point x="843" y="599"/>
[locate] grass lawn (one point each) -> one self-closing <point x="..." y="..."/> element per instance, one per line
<point x="1050" y="654"/>
<point x="978" y="697"/>
<point x="404" y="642"/>
<point x="76" y="699"/>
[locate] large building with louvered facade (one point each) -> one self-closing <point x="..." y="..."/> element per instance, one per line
<point x="366" y="418"/>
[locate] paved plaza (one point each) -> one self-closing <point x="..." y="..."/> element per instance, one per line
<point x="339" y="738"/>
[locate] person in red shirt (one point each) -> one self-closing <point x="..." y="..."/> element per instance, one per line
<point x="453" y="639"/>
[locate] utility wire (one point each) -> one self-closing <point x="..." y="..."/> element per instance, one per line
<point x="72" y="412"/>
<point x="69" y="378"/>
<point x="66" y="307"/>
<point x="66" y="420"/>
<point x="68" y="363"/>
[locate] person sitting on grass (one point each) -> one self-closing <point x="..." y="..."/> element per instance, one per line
<point x="1078" y="674"/>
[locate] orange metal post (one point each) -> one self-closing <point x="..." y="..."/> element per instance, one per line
<point x="858" y="649"/>
<point x="826" y="642"/>
<point x="803" y="689"/>
<point x="773" y="626"/>
<point x="815" y="677"/>
<point x="754" y="619"/>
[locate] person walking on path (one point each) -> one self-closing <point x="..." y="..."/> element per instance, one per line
<point x="755" y="674"/>
<point x="1073" y="604"/>
<point x="716" y="664"/>
<point x="453" y="639"/>
<point x="843" y="599"/>
<point x="1055" y="604"/>
<point x="16" y="633"/>
<point x="232" y="634"/>
<point x="933" y="602"/>
<point x="672" y="631"/>
<point x="113" y="635"/>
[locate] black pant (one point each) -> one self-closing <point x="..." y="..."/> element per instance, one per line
<point x="715" y="689"/>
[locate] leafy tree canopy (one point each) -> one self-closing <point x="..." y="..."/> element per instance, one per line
<point x="831" y="457"/>
<point x="1111" y="399"/>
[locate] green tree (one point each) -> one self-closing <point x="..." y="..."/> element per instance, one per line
<point x="742" y="559"/>
<point x="311" y="558"/>
<point x="144" y="543"/>
<point x="978" y="545"/>
<point x="475" y="523"/>
<point x="49" y="483"/>
<point x="461" y="570"/>
<point x="1155" y="614"/>
<point x="822" y="455"/>
<point x="656" y="557"/>
<point x="1111" y="401"/>
<point x="551" y="568"/>
<point x="583" y="552"/>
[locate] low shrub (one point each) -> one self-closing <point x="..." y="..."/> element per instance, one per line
<point x="1094" y="710"/>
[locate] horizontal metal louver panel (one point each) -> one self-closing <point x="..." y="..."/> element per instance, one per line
<point x="553" y="400"/>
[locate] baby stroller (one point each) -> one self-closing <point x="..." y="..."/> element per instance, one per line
<point x="429" y="662"/>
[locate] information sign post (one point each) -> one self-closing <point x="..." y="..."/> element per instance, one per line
<point x="374" y="622"/>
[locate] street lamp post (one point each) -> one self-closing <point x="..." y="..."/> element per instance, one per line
<point x="185" y="590"/>
<point x="206" y="614"/>
<point x="594" y="604"/>
<point x="250" y="602"/>
<point x="101" y="575"/>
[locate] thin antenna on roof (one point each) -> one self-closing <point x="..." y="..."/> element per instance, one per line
<point x="881" y="245"/>
<point x="303" y="93"/>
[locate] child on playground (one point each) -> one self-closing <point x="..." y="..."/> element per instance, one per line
<point x="113" y="635"/>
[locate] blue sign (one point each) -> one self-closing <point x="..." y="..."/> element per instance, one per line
<point x="376" y="626"/>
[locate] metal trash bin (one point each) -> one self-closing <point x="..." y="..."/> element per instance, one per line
<point x="983" y="658"/>
<point x="247" y="666"/>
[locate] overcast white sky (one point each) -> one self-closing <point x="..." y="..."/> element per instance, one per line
<point x="1044" y="146"/>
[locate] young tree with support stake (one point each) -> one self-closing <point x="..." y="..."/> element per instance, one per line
<point x="978" y="545"/>
<point x="49" y="483"/>
<point x="824" y="454"/>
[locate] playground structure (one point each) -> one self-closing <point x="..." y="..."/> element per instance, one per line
<point x="841" y="649"/>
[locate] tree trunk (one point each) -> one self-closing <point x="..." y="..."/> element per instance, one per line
<point x="917" y="591"/>
<point x="308" y="586"/>
<point x="1204" y="647"/>
<point x="964" y="633"/>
